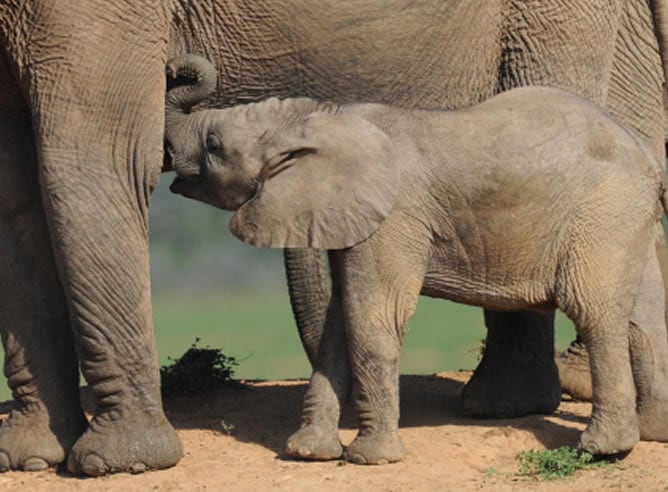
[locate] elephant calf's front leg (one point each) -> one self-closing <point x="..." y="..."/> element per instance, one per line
<point x="377" y="302"/>
<point x="375" y="346"/>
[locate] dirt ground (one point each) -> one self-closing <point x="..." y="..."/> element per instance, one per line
<point x="445" y="450"/>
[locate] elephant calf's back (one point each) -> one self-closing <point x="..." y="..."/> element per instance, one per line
<point x="524" y="181"/>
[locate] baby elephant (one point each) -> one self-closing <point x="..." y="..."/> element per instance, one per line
<point x="534" y="199"/>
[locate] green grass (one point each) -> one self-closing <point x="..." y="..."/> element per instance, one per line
<point x="552" y="464"/>
<point x="258" y="330"/>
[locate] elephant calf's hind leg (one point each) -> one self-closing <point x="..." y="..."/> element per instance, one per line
<point x="601" y="308"/>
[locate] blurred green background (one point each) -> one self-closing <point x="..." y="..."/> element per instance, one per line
<point x="209" y="285"/>
<point x="257" y="328"/>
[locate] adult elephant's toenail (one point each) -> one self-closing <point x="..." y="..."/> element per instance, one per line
<point x="94" y="466"/>
<point x="35" y="464"/>
<point x="504" y="410"/>
<point x="472" y="407"/>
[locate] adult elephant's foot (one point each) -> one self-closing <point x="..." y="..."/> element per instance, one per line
<point x="134" y="442"/>
<point x="375" y="449"/>
<point x="574" y="372"/>
<point x="313" y="442"/>
<point x="517" y="375"/>
<point x="33" y="440"/>
<point x="503" y="386"/>
<point x="605" y="437"/>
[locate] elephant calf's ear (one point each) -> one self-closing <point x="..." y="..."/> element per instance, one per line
<point x="331" y="197"/>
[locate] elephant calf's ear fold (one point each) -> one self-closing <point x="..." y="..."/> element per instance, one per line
<point x="331" y="197"/>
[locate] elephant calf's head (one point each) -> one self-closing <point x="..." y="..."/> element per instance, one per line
<point x="193" y="140"/>
<point x="215" y="160"/>
<point x="299" y="173"/>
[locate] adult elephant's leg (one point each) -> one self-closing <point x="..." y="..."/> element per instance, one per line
<point x="574" y="374"/>
<point x="96" y="201"/>
<point x="517" y="374"/>
<point x="636" y="99"/>
<point x="318" y="313"/>
<point x="98" y="109"/>
<point x="40" y="361"/>
<point x="310" y="293"/>
<point x="648" y="345"/>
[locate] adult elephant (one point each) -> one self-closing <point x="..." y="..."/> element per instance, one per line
<point x="81" y="147"/>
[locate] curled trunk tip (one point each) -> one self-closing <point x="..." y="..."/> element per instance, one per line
<point x="190" y="80"/>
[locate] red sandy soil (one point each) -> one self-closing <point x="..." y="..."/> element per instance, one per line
<point x="445" y="450"/>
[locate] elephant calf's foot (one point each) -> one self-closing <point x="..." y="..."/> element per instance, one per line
<point x="375" y="449"/>
<point x="504" y="386"/>
<point x="135" y="442"/>
<point x="607" y="438"/>
<point x="314" y="443"/>
<point x="574" y="373"/>
<point x="32" y="440"/>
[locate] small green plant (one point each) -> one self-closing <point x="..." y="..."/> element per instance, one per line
<point x="552" y="464"/>
<point x="479" y="351"/>
<point x="197" y="371"/>
<point x="227" y="428"/>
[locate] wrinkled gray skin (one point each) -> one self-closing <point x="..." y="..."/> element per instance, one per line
<point x="452" y="205"/>
<point x="82" y="91"/>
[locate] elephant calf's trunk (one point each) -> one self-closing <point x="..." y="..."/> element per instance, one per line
<point x="190" y="80"/>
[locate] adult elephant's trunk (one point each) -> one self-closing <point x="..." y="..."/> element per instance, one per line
<point x="660" y="16"/>
<point x="190" y="80"/>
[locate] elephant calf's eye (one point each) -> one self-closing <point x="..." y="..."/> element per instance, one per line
<point x="213" y="144"/>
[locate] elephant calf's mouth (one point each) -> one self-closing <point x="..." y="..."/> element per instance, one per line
<point x="182" y="181"/>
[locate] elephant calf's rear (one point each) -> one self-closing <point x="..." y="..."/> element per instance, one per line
<point x="534" y="199"/>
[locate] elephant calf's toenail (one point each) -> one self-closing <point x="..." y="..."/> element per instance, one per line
<point x="137" y="468"/>
<point x="356" y="458"/>
<point x="35" y="464"/>
<point x="94" y="466"/>
<point x="591" y="447"/>
<point x="304" y="452"/>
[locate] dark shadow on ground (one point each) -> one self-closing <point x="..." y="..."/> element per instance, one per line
<point x="425" y="401"/>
